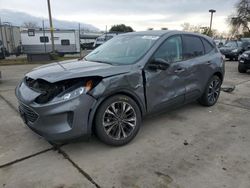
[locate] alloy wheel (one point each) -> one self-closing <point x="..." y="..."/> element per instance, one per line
<point x="119" y="120"/>
<point x="214" y="91"/>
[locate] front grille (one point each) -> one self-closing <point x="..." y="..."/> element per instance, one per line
<point x="28" y="114"/>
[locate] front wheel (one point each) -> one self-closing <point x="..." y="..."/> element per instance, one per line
<point x="212" y="92"/>
<point x="118" y="120"/>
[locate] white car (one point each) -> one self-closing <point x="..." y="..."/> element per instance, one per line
<point x="104" y="38"/>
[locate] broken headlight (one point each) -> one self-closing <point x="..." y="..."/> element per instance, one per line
<point x="61" y="91"/>
<point x="74" y="92"/>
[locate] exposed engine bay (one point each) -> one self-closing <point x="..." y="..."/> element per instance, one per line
<point x="51" y="90"/>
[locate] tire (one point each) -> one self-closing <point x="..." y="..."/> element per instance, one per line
<point x="242" y="68"/>
<point x="117" y="131"/>
<point x="212" y="92"/>
<point x="2" y="56"/>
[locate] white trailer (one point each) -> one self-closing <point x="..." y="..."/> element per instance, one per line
<point x="10" y="40"/>
<point x="39" y="41"/>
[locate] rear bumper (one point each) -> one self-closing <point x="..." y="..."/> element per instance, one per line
<point x="60" y="121"/>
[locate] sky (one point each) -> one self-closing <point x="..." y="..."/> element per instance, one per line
<point x="139" y="14"/>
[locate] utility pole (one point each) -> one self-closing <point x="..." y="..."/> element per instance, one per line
<point x="212" y="11"/>
<point x="51" y="27"/>
<point x="106" y="30"/>
<point x="80" y="40"/>
<point x="44" y="38"/>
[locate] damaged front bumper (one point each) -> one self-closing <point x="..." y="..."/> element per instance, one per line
<point x="59" y="121"/>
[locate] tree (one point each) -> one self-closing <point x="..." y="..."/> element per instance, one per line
<point x="191" y="28"/>
<point x="121" y="28"/>
<point x="30" y="25"/>
<point x="241" y="19"/>
<point x="207" y="31"/>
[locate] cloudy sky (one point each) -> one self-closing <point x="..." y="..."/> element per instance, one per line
<point x="140" y="14"/>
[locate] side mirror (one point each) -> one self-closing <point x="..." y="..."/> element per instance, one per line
<point x="159" y="63"/>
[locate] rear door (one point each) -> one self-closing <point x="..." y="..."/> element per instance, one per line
<point x="198" y="61"/>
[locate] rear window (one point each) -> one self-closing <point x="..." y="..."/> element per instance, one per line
<point x="231" y="44"/>
<point x="193" y="47"/>
<point x="207" y="45"/>
<point x="65" y="42"/>
<point x="245" y="44"/>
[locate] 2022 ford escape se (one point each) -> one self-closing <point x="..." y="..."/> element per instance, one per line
<point x="112" y="88"/>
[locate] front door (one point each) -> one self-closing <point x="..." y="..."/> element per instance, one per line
<point x="166" y="88"/>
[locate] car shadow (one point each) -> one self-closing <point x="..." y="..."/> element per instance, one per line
<point x="157" y="120"/>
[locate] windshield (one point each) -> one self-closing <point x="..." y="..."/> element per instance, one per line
<point x="231" y="44"/>
<point x="122" y="49"/>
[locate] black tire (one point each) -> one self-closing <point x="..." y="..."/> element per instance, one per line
<point x="117" y="132"/>
<point x="206" y="98"/>
<point x="242" y="68"/>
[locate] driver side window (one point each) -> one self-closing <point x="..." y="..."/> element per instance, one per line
<point x="170" y="50"/>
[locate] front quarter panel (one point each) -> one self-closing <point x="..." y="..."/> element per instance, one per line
<point x="129" y="83"/>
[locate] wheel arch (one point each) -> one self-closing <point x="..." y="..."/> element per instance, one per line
<point x="219" y="74"/>
<point x="99" y="102"/>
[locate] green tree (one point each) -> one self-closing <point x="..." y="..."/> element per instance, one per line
<point x="207" y="31"/>
<point x="121" y="28"/>
<point x="241" y="19"/>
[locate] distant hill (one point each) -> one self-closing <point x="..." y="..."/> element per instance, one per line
<point x="18" y="18"/>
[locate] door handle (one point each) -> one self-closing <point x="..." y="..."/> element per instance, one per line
<point x="179" y="70"/>
<point x="209" y="63"/>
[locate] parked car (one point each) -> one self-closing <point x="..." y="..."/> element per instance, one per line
<point x="104" y="38"/>
<point x="112" y="88"/>
<point x="219" y="42"/>
<point x="245" y="39"/>
<point x="244" y="62"/>
<point x="232" y="49"/>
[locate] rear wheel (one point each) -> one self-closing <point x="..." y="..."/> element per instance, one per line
<point x="242" y="68"/>
<point x="212" y="92"/>
<point x="117" y="120"/>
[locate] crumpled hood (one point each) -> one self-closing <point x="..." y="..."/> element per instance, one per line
<point x="64" y="70"/>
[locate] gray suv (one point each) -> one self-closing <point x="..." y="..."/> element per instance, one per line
<point x="111" y="89"/>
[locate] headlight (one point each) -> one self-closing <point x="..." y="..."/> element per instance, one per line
<point x="235" y="50"/>
<point x="74" y="93"/>
<point x="245" y="55"/>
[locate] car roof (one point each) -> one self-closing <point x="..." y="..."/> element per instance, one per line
<point x="161" y="33"/>
<point x="150" y="32"/>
